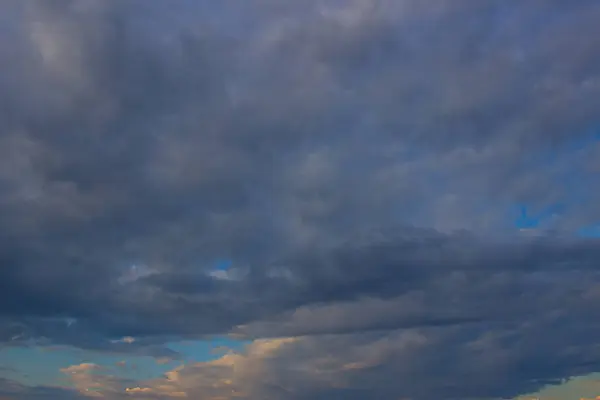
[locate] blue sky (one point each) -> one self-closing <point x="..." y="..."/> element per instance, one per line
<point x="41" y="365"/>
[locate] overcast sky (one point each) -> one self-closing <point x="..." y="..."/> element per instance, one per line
<point x="294" y="200"/>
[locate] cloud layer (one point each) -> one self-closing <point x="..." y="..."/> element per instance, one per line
<point x="360" y="165"/>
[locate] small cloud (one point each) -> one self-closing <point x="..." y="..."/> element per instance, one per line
<point x="222" y="275"/>
<point x="126" y="339"/>
<point x="151" y="391"/>
<point x="134" y="273"/>
<point x="138" y="390"/>
<point x="80" y="368"/>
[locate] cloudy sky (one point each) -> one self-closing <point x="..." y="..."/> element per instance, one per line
<point x="294" y="200"/>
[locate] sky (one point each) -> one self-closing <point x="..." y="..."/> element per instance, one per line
<point x="294" y="200"/>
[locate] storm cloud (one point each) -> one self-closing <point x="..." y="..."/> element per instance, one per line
<point x="403" y="191"/>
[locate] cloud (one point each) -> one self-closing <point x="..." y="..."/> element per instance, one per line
<point x="126" y="339"/>
<point x="231" y="375"/>
<point x="390" y="364"/>
<point x="356" y="162"/>
<point x="10" y="390"/>
<point x="92" y="380"/>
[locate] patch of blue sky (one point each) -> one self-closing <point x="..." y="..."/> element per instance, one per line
<point x="206" y="350"/>
<point x="41" y="365"/>
<point x="220" y="269"/>
<point x="590" y="231"/>
<point x="528" y="219"/>
<point x="223" y="265"/>
<point x="38" y="365"/>
<point x="572" y="181"/>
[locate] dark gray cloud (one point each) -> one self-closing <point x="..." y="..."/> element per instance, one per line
<point x="10" y="390"/>
<point x="360" y="163"/>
